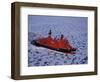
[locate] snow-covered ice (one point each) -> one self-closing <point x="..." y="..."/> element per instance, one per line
<point x="39" y="56"/>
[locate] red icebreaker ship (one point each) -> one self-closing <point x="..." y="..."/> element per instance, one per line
<point x="61" y="44"/>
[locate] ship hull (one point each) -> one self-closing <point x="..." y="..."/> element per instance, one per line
<point x="36" y="43"/>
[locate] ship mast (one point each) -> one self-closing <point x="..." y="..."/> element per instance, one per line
<point x="62" y="36"/>
<point x="49" y="33"/>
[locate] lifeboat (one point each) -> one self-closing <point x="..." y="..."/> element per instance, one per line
<point x="61" y="44"/>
